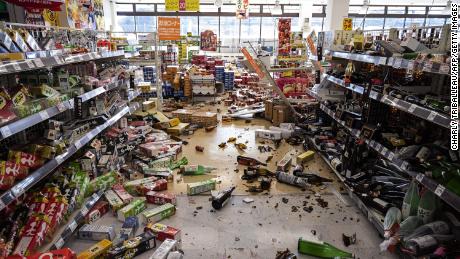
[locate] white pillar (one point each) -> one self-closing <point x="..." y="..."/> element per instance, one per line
<point x="306" y="9"/>
<point x="336" y="10"/>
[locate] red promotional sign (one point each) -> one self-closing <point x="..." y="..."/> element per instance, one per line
<point x="168" y="28"/>
<point x="53" y="5"/>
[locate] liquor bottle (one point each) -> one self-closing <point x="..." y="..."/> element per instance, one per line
<point x="248" y="161"/>
<point x="178" y="164"/>
<point x="425" y="244"/>
<point x="408" y="225"/>
<point x="312" y="178"/>
<point x="427" y="206"/>
<point x="291" y="179"/>
<point x="222" y="198"/>
<point x="411" y="200"/>
<point x="195" y="169"/>
<point x="298" y="169"/>
<point x="376" y="203"/>
<point x="321" y="249"/>
<point x="435" y="227"/>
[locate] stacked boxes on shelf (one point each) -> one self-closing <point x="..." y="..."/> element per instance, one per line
<point x="229" y="78"/>
<point x="149" y="74"/>
<point x="220" y="73"/>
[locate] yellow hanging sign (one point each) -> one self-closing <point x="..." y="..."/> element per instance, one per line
<point x="347" y="24"/>
<point x="182" y="5"/>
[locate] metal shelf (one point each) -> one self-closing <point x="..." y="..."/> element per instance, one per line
<point x="411" y="108"/>
<point x="58" y="60"/>
<point x="24" y="185"/>
<point x="377" y="60"/>
<point x="289" y="69"/>
<point x="425" y="66"/>
<point x="27" y="122"/>
<point x="442" y="192"/>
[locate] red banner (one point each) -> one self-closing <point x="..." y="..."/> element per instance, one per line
<point x="53" y="5"/>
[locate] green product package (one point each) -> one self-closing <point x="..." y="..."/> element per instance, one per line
<point x="132" y="186"/>
<point x="156" y="214"/>
<point x="81" y="180"/>
<point x="132" y="209"/>
<point x="321" y="249"/>
<point x="102" y="182"/>
<point x="177" y="164"/>
<point x="200" y="187"/>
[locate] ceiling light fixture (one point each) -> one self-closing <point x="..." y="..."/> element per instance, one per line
<point x="364" y="7"/>
<point x="277" y="8"/>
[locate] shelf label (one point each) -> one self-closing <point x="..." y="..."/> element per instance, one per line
<point x="428" y="66"/>
<point x="444" y="69"/>
<point x="73" y="226"/>
<point x="3" y="69"/>
<point x="439" y="190"/>
<point x="84" y="210"/>
<point x="2" y="205"/>
<point x="391" y="156"/>
<point x="384" y="151"/>
<point x="30" y="64"/>
<point x="16" y="67"/>
<point x="412" y="108"/>
<point x="410" y="65"/>
<point x="382" y="61"/>
<point x="397" y="63"/>
<point x="78" y="144"/>
<point x="44" y="115"/>
<point x="404" y="165"/>
<point x="59" y="159"/>
<point x="373" y="95"/>
<point x="17" y="190"/>
<point x="60" y="243"/>
<point x="38" y="62"/>
<point x="431" y="116"/>
<point x="58" y="60"/>
<point x="6" y="132"/>
<point x="419" y="177"/>
<point x="61" y="107"/>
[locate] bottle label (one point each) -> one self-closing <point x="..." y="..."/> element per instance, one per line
<point x="425" y="241"/>
<point x="425" y="214"/>
<point x="191" y="168"/>
<point x="381" y="202"/>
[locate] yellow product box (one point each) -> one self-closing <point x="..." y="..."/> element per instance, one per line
<point x="148" y="105"/>
<point x="174" y="122"/>
<point x="179" y="129"/>
<point x="305" y="157"/>
<point x="96" y="250"/>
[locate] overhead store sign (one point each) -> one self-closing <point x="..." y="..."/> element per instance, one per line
<point x="53" y="5"/>
<point x="253" y="63"/>
<point x="242" y="9"/>
<point x="168" y="28"/>
<point x="208" y="41"/>
<point x="182" y="5"/>
<point x="347" y="24"/>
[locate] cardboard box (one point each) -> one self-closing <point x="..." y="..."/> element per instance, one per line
<point x="133" y="247"/>
<point x="96" y="251"/>
<point x="157" y="214"/>
<point x="305" y="157"/>
<point x="96" y="232"/>
<point x="166" y="247"/>
<point x="200" y="187"/>
<point x="268" y="134"/>
<point x="269" y="110"/>
<point x="179" y="129"/>
<point x="132" y="209"/>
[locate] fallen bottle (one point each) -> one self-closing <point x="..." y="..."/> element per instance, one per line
<point x="291" y="179"/>
<point x="321" y="249"/>
<point x="222" y="198"/>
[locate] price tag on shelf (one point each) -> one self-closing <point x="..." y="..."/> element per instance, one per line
<point x="404" y="165"/>
<point x="428" y="66"/>
<point x="397" y="63"/>
<point x="61" y="107"/>
<point x="78" y="144"/>
<point x="444" y="69"/>
<point x="419" y="177"/>
<point x="60" y="158"/>
<point x="410" y="65"/>
<point x="2" y="205"/>
<point x="80" y="58"/>
<point x="384" y="151"/>
<point x="382" y="61"/>
<point x="38" y="62"/>
<point x="73" y="226"/>
<point x="3" y="69"/>
<point x="16" y="66"/>
<point x="44" y="115"/>
<point x="373" y="95"/>
<point x="84" y="210"/>
<point x="58" y="60"/>
<point x="431" y="116"/>
<point x="391" y="156"/>
<point x="30" y="64"/>
<point x="60" y="243"/>
<point x="6" y="132"/>
<point x="17" y="191"/>
<point x="412" y="108"/>
<point x="439" y="190"/>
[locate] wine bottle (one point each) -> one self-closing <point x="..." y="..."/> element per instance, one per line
<point x="408" y="225"/>
<point x="411" y="201"/>
<point x="425" y="244"/>
<point x="291" y="179"/>
<point x="195" y="169"/>
<point x="321" y="249"/>
<point x="222" y="198"/>
<point x="248" y="161"/>
<point x="376" y="203"/>
<point x="436" y="227"/>
<point x="427" y="206"/>
<point x="312" y="178"/>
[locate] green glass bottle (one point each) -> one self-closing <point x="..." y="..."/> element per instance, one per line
<point x="426" y="206"/>
<point x="195" y="169"/>
<point x="454" y="185"/>
<point x="321" y="249"/>
<point x="178" y="164"/>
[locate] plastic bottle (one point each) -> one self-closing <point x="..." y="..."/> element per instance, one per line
<point x="411" y="201"/>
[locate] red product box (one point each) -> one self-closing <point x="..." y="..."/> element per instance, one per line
<point x="38" y="205"/>
<point x="158" y="185"/>
<point x="11" y="168"/>
<point x="64" y="253"/>
<point x="51" y="192"/>
<point x="32" y="235"/>
<point x="160" y="198"/>
<point x="25" y="159"/>
<point x="136" y="123"/>
<point x="98" y="210"/>
<point x="163" y="232"/>
<point x="55" y="210"/>
<point x="122" y="193"/>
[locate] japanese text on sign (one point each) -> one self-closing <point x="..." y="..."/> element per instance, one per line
<point x="347" y="24"/>
<point x="168" y="28"/>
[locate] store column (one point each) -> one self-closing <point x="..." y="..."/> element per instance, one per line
<point x="336" y="10"/>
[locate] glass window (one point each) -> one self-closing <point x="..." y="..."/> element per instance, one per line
<point x="316" y="24"/>
<point x="318" y="9"/>
<point x="354" y="9"/>
<point x="376" y="9"/>
<point x="268" y="8"/>
<point x="145" y="8"/>
<point x="209" y="23"/>
<point x="291" y="9"/>
<point x="394" y="23"/>
<point x="437" y="10"/>
<point x="254" y="9"/>
<point x="435" y="21"/>
<point x="269" y="34"/>
<point x="357" y="23"/>
<point x="189" y="24"/>
<point x="125" y="24"/>
<point x="208" y="8"/>
<point x="146" y="23"/>
<point x="228" y="8"/>
<point x="124" y="7"/>
<point x="131" y="37"/>
<point x="229" y="31"/>
<point x="250" y="29"/>
<point x="410" y="22"/>
<point x="416" y="10"/>
<point x="295" y="26"/>
<point x="396" y="10"/>
<point x="160" y="7"/>
<point x="373" y="24"/>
